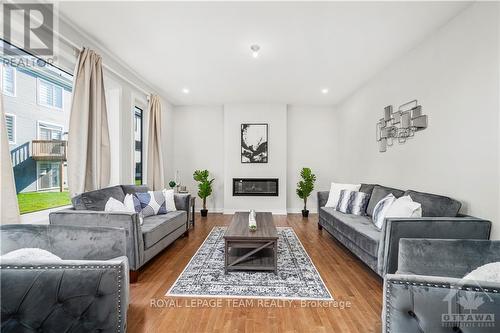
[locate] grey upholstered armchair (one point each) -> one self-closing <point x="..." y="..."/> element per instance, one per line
<point x="428" y="294"/>
<point x="86" y="291"/>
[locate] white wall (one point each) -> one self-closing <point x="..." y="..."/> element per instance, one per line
<point x="311" y="142"/>
<point x="454" y="75"/>
<point x="275" y="116"/>
<point x="198" y="144"/>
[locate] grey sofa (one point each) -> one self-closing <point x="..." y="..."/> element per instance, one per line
<point x="428" y="293"/>
<point x="143" y="241"/>
<point x="87" y="291"/>
<point x="379" y="249"/>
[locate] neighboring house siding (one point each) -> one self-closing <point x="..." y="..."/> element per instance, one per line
<point x="28" y="113"/>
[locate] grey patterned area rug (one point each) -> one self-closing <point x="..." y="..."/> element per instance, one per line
<point x="297" y="277"/>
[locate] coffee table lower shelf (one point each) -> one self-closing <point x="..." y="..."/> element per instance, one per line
<point x="251" y="256"/>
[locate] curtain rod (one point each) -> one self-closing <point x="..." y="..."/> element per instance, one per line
<point x="78" y="49"/>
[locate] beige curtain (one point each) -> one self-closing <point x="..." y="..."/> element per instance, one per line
<point x="155" y="178"/>
<point x="9" y="209"/>
<point x="88" y="138"/>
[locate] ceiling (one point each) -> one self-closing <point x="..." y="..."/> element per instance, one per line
<point x="305" y="47"/>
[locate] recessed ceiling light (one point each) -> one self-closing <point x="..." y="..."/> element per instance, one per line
<point x="185" y="90"/>
<point x="324" y="91"/>
<point x="255" y="50"/>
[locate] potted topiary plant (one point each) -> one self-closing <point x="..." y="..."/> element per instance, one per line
<point x="204" y="188"/>
<point x="305" y="187"/>
<point x="172" y="184"/>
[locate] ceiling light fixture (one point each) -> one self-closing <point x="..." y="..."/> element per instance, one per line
<point x="324" y="91"/>
<point x="255" y="50"/>
<point x="185" y="90"/>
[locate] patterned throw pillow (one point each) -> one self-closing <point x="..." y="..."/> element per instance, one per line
<point x="353" y="202"/>
<point x="133" y="203"/>
<point x="152" y="203"/>
<point x="380" y="210"/>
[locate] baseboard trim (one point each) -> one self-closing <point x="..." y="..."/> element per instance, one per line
<point x="273" y="211"/>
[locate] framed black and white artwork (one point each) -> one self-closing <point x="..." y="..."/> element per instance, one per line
<point x="254" y="143"/>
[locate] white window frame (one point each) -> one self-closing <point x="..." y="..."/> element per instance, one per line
<point x="41" y="122"/>
<point x="14" y="127"/>
<point x="38" y="80"/>
<point x="6" y="93"/>
<point x="38" y="178"/>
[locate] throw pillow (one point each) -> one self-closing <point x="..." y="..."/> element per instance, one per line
<point x="30" y="254"/>
<point x="169" y="200"/>
<point x="489" y="272"/>
<point x="335" y="188"/>
<point x="381" y="209"/>
<point x="351" y="202"/>
<point x="404" y="207"/>
<point x="152" y="203"/>
<point x="113" y="205"/>
<point x="132" y="203"/>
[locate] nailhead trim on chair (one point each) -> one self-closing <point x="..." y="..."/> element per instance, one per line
<point x="390" y="283"/>
<point x="117" y="267"/>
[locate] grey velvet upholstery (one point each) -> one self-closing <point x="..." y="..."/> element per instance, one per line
<point x="86" y="291"/>
<point x="96" y="200"/>
<point x="435" y="205"/>
<point x="143" y="242"/>
<point x="378" y="193"/>
<point x="426" y="227"/>
<point x="428" y="292"/>
<point x="367" y="188"/>
<point x="379" y="249"/>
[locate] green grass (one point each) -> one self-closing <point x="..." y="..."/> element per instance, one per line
<point x="35" y="201"/>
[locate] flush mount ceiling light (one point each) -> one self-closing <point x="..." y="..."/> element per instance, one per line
<point x="324" y="91"/>
<point x="255" y="50"/>
<point x="185" y="90"/>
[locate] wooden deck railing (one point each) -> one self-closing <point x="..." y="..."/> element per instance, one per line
<point x="49" y="150"/>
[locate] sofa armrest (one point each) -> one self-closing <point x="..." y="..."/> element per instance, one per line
<point x="322" y="198"/>
<point x="419" y="303"/>
<point x="182" y="201"/>
<point x="128" y="221"/>
<point x="61" y="295"/>
<point x="66" y="242"/>
<point x="425" y="227"/>
<point x="445" y="257"/>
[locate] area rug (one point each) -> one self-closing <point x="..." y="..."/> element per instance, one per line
<point x="297" y="277"/>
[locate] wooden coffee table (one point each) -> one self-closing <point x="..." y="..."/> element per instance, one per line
<point x="251" y="250"/>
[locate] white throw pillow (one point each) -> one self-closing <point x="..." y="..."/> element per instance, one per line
<point x="169" y="200"/>
<point x="489" y="272"/>
<point x="113" y="205"/>
<point x="404" y="207"/>
<point x="335" y="188"/>
<point x="381" y="209"/>
<point x="30" y="255"/>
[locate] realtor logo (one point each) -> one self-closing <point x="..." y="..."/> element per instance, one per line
<point x="471" y="315"/>
<point x="37" y="27"/>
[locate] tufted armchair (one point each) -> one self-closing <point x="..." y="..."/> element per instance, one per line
<point x="86" y="291"/>
<point x="428" y="294"/>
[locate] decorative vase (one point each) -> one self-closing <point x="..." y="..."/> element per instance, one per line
<point x="204" y="212"/>
<point x="252" y="223"/>
<point x="305" y="212"/>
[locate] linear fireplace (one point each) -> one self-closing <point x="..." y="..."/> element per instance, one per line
<point x="266" y="187"/>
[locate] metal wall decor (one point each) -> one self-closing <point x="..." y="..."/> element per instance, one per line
<point x="400" y="125"/>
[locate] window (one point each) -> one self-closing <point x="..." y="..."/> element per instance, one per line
<point x="50" y="94"/>
<point x="34" y="127"/>
<point x="48" y="175"/>
<point x="138" y="145"/>
<point x="49" y="131"/>
<point x="10" y="121"/>
<point x="9" y="80"/>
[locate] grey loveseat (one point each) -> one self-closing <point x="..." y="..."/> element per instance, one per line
<point x="143" y="241"/>
<point x="379" y="249"/>
<point x="86" y="291"/>
<point x="428" y="294"/>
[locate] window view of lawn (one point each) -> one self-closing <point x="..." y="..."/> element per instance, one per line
<point x="35" y="201"/>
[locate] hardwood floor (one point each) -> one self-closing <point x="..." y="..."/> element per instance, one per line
<point x="347" y="278"/>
